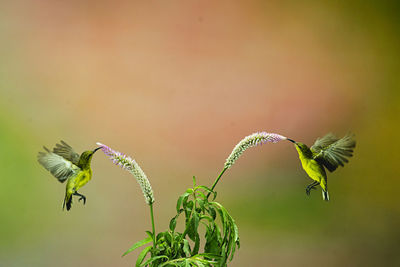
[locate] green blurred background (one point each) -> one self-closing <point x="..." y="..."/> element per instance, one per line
<point x="176" y="84"/>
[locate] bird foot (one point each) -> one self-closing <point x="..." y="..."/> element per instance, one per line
<point x="309" y="188"/>
<point x="81" y="197"/>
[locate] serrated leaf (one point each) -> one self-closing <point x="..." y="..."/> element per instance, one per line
<point x="196" y="245"/>
<point x="224" y="256"/>
<point x="141" y="256"/>
<point x="189" y="191"/>
<point x="138" y="244"/>
<point x="214" y="195"/>
<point x="212" y="212"/>
<point x="205" y="188"/>
<point x="152" y="259"/>
<point x="212" y="245"/>
<point x="168" y="263"/>
<point x="201" y="204"/>
<point x="186" y="248"/>
<point x="168" y="237"/>
<point x="208" y="255"/>
<point x="231" y="243"/>
<point x="180" y="200"/>
<point x="150" y="234"/>
<point x="188" y="206"/>
<point x="236" y="231"/>
<point x="195" y="221"/>
<point x="232" y="252"/>
<point x="189" y="230"/>
<point x="208" y="218"/>
<point x="192" y="226"/>
<point x="172" y="224"/>
<point x="201" y="195"/>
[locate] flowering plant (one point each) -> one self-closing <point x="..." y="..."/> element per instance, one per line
<point x="173" y="248"/>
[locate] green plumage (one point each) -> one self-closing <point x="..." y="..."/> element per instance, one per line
<point x="66" y="165"/>
<point x="327" y="152"/>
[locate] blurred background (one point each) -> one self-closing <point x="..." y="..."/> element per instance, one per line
<point x="176" y="84"/>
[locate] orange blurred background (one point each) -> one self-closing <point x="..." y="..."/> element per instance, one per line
<point x="176" y="84"/>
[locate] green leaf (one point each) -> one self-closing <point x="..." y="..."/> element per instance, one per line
<point x="212" y="245"/>
<point x="180" y="200"/>
<point x="206" y="217"/>
<point x="205" y="188"/>
<point x="214" y="195"/>
<point x="188" y="206"/>
<point x="207" y="255"/>
<point x="138" y="244"/>
<point x="201" y="204"/>
<point x="172" y="224"/>
<point x="161" y="236"/>
<point x="186" y="248"/>
<point x="230" y="232"/>
<point x="236" y="231"/>
<point x="212" y="212"/>
<point x="201" y="195"/>
<point x="168" y="263"/>
<point x="152" y="259"/>
<point x="196" y="220"/>
<point x="141" y="256"/>
<point x="196" y="245"/>
<point x="189" y="191"/>
<point x="193" y="225"/>
<point x="168" y="237"/>
<point x="221" y="238"/>
<point x="150" y="234"/>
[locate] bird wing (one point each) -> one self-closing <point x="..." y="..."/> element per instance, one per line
<point x="61" y="168"/>
<point x="322" y="143"/>
<point x="332" y="152"/>
<point x="64" y="150"/>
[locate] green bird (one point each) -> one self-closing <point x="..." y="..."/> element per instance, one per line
<point x="65" y="164"/>
<point x="327" y="152"/>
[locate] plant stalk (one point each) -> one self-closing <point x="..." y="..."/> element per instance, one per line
<point x="216" y="181"/>
<point x="152" y="224"/>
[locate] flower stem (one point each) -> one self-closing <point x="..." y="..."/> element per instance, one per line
<point x="152" y="224"/>
<point x="216" y="181"/>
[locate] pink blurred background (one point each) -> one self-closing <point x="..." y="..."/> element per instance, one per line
<point x="176" y="84"/>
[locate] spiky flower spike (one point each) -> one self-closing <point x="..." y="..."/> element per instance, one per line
<point x="130" y="165"/>
<point x="254" y="139"/>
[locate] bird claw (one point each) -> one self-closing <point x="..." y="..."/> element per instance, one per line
<point x="82" y="198"/>
<point x="308" y="189"/>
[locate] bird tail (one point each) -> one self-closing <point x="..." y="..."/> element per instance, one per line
<point x="67" y="200"/>
<point x="325" y="195"/>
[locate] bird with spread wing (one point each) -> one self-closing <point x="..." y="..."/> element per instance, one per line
<point x="67" y="165"/>
<point x="327" y="152"/>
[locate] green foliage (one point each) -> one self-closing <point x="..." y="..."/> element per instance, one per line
<point x="172" y="248"/>
<point x="139" y="244"/>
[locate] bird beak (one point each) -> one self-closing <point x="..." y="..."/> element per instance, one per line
<point x="291" y="141"/>
<point x="96" y="149"/>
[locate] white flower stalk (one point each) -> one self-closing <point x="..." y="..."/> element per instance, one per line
<point x="130" y="165"/>
<point x="252" y="140"/>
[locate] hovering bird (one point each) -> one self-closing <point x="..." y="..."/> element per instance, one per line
<point x="65" y="164"/>
<point x="327" y="152"/>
